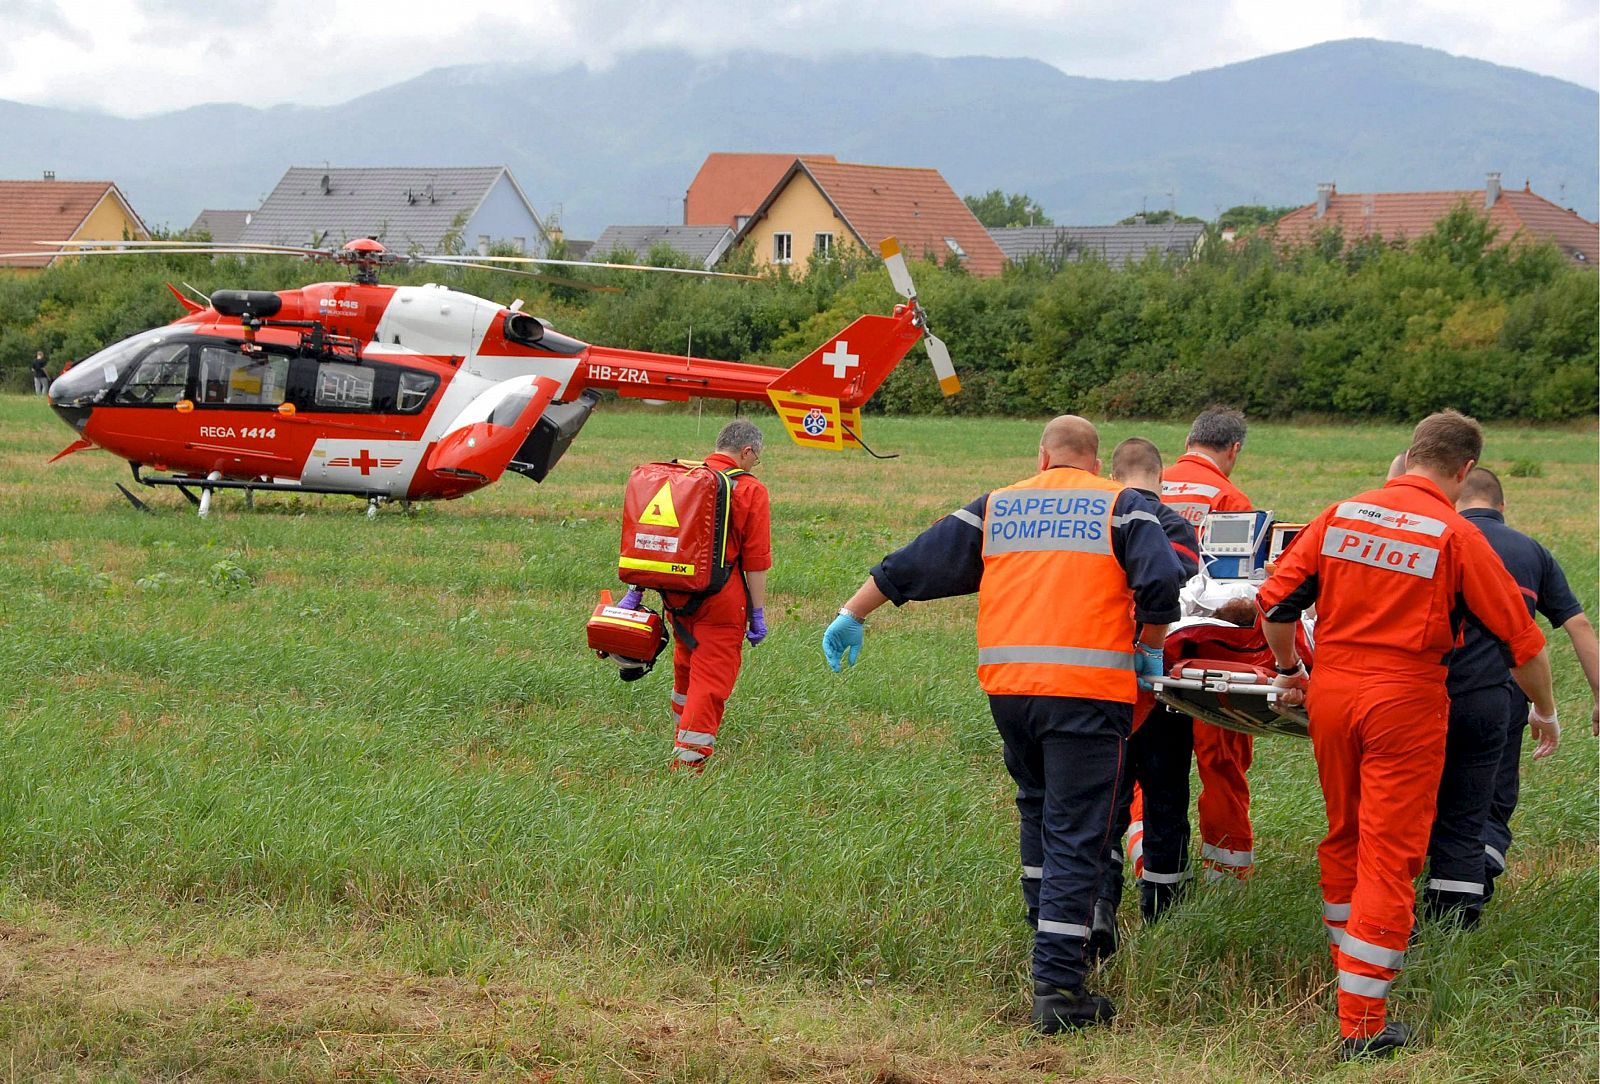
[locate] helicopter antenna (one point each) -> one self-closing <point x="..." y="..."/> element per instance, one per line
<point x="198" y="292"/>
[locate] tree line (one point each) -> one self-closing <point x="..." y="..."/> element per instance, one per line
<point x="1373" y="329"/>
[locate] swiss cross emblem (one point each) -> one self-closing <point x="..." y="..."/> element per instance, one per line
<point x="841" y="359"/>
<point x="815" y="423"/>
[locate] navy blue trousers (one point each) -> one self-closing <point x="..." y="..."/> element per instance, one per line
<point x="1472" y="753"/>
<point x="1066" y="756"/>
<point x="1507" y="788"/>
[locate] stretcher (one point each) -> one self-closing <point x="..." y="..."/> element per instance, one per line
<point x="1231" y="694"/>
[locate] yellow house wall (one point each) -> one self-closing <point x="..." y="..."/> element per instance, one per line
<point x="107" y="222"/>
<point x="802" y="211"/>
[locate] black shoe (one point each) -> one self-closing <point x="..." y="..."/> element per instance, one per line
<point x="1057" y="1009"/>
<point x="1382" y="1045"/>
<point x="1103" y="934"/>
<point x="1154" y="899"/>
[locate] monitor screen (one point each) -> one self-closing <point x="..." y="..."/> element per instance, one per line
<point x="1228" y="530"/>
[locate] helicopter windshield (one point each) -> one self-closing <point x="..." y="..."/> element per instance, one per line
<point x="89" y="381"/>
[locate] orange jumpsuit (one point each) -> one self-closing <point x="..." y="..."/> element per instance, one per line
<point x="1392" y="573"/>
<point x="1196" y="486"/>
<point x="703" y="676"/>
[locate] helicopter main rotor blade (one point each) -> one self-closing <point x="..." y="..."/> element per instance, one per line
<point x="554" y="280"/>
<point x="601" y="266"/>
<point x="229" y="251"/>
<point x="202" y="246"/>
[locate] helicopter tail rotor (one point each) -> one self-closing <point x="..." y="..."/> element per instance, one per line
<point x="938" y="353"/>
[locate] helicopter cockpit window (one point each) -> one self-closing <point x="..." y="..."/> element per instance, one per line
<point x="88" y="382"/>
<point x="230" y="378"/>
<point x="161" y="378"/>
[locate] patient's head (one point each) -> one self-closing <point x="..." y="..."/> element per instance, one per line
<point x="1237" y="611"/>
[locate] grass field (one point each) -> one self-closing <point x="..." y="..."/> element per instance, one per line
<point x="292" y="794"/>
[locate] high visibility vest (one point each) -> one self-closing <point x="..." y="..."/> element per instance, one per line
<point x="1055" y="612"/>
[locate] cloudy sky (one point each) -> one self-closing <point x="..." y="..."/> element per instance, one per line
<point x="136" y="57"/>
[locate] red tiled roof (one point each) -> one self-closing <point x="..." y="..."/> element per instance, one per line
<point x="915" y="205"/>
<point x="46" y="211"/>
<point x="729" y="185"/>
<point x="1395" y="215"/>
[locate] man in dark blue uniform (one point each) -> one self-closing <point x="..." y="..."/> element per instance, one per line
<point x="1066" y="566"/>
<point x="1478" y="790"/>
<point x="1136" y="463"/>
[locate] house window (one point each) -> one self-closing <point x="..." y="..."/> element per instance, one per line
<point x="955" y="247"/>
<point x="823" y="246"/>
<point x="522" y="245"/>
<point x="782" y="248"/>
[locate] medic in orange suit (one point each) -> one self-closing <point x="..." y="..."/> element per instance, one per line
<point x="1196" y="485"/>
<point x="1393" y="574"/>
<point x="705" y="662"/>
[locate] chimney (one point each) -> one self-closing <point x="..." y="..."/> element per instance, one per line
<point x="1491" y="191"/>
<point x="327" y="185"/>
<point x="49" y="174"/>
<point x="1324" y="194"/>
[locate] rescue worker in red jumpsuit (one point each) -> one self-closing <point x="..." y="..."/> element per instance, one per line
<point x="707" y="655"/>
<point x="1393" y="574"/>
<point x="1196" y="485"/>
<point x="1478" y="790"/>
<point x="1066" y="566"/>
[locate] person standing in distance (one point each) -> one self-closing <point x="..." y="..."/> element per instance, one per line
<point x="1478" y="790"/>
<point x="41" y="374"/>
<point x="1393" y="573"/>
<point x="1066" y="566"/>
<point x="703" y="675"/>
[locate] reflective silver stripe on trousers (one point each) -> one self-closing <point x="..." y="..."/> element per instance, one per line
<point x="1163" y="878"/>
<point x="694" y="737"/>
<point x="1057" y="656"/>
<point x="690" y="756"/>
<point x="968" y="518"/>
<point x="1032" y="873"/>
<point x="1136" y="852"/>
<point x="1135" y="828"/>
<point x="680" y="698"/>
<point x="1227" y="857"/>
<point x="1338" y="912"/>
<point x="1368" y="953"/>
<point x="1352" y="983"/>
<point x="1335" y="933"/>
<point x="1494" y="856"/>
<point x="1466" y="888"/>
<point x="1069" y="929"/>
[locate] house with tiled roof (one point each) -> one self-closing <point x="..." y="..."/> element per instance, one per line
<point x="1516" y="214"/>
<point x="730" y="186"/>
<point x="410" y="209"/>
<point x="1115" y="245"/>
<point x="220" y="227"/>
<point x="52" y="210"/>
<point x="702" y="244"/>
<point x="823" y="207"/>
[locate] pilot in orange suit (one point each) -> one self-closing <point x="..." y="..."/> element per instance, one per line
<point x="1197" y="484"/>
<point x="703" y="674"/>
<point x="1394" y="573"/>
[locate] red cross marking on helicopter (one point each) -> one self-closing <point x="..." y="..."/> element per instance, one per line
<point x="841" y="359"/>
<point x="364" y="461"/>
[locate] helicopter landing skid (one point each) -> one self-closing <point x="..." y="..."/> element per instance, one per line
<point x="187" y="484"/>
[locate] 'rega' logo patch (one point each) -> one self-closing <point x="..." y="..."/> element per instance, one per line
<point x="1368" y="549"/>
<point x="1391" y="518"/>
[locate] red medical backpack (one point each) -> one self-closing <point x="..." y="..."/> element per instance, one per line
<point x="675" y="527"/>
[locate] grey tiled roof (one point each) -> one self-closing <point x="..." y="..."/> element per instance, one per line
<point x="407" y="208"/>
<point x="223" y="227"/>
<point x="1116" y="245"/>
<point x="703" y="244"/>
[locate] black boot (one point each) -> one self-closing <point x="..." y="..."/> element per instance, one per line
<point x="1103" y="934"/>
<point x="1154" y="899"/>
<point x="1058" y="1009"/>
<point x="1382" y="1045"/>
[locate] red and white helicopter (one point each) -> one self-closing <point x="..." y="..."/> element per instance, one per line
<point x="417" y="393"/>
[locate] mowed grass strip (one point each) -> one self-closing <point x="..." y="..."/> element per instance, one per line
<point x="373" y="757"/>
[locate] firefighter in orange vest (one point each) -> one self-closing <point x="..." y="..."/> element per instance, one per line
<point x="1196" y="485"/>
<point x="705" y="663"/>
<point x="1066" y="566"/>
<point x="1393" y="573"/>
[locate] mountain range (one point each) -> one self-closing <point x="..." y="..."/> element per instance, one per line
<point x="619" y="145"/>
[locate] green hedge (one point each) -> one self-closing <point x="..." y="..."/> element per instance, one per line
<point x="1377" y="330"/>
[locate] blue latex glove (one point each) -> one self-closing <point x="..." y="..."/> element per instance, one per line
<point x="758" y="626"/>
<point x="1148" y="662"/>
<point x="844" y="635"/>
<point x="633" y="599"/>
